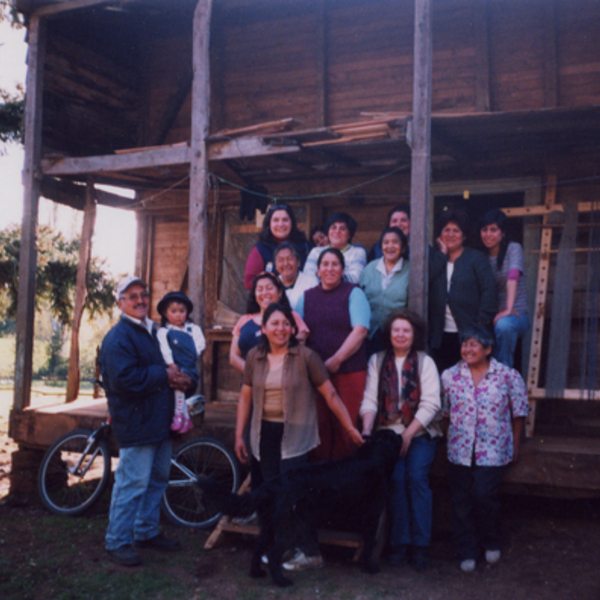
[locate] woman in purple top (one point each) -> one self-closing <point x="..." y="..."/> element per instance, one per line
<point x="340" y="314"/>
<point x="508" y="265"/>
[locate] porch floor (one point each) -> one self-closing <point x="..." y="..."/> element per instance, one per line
<point x="549" y="465"/>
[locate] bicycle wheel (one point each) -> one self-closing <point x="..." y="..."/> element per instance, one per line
<point x="74" y="473"/>
<point x="184" y="502"/>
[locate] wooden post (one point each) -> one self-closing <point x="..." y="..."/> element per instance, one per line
<point x="31" y="193"/>
<point x="537" y="334"/>
<point x="85" y="252"/>
<point x="199" y="159"/>
<point x="421" y="155"/>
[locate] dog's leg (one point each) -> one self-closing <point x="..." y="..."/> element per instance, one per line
<point x="275" y="559"/>
<point x="369" y="531"/>
<point x="263" y="542"/>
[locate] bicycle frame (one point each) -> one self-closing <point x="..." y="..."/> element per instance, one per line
<point x="182" y="482"/>
<point x="95" y="435"/>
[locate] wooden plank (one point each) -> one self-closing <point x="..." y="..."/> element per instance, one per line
<point x="567" y="394"/>
<point x="140" y="159"/>
<point x="535" y="352"/>
<point x="421" y="158"/>
<point x="259" y="128"/>
<point x="61" y="7"/>
<point x="31" y="193"/>
<point x="85" y="253"/>
<point x="533" y="211"/>
<point x="246" y="147"/>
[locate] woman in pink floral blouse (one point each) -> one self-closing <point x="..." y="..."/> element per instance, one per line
<point x="484" y="404"/>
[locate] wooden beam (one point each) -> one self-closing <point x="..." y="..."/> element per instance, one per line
<point x="85" y="253"/>
<point x="61" y="6"/>
<point x="147" y="158"/>
<point x="73" y="195"/>
<point x="482" y="56"/>
<point x="421" y="159"/>
<point x="176" y="154"/>
<point x="542" y="210"/>
<point x="199" y="159"/>
<point x="31" y="193"/>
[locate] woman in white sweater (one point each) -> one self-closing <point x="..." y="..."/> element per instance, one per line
<point x="402" y="393"/>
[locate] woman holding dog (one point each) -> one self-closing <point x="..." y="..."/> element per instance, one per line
<point x="280" y="376"/>
<point x="403" y="394"/>
<point x="337" y="313"/>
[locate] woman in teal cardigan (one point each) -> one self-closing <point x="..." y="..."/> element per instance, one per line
<point x="385" y="282"/>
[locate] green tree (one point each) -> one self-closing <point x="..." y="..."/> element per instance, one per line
<point x="56" y="275"/>
<point x="11" y="105"/>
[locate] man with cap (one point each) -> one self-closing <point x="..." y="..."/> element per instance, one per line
<point x="138" y="386"/>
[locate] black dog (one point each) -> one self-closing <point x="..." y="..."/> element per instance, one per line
<point x="291" y="506"/>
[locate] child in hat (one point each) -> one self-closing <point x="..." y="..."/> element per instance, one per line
<point x="181" y="343"/>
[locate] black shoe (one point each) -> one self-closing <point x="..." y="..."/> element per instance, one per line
<point x="125" y="555"/>
<point x="399" y="556"/>
<point x="420" y="557"/>
<point x="159" y="542"/>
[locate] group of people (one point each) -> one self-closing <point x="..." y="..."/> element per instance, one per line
<point x="328" y="352"/>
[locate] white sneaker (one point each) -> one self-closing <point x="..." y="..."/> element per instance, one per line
<point x="301" y="562"/>
<point x="492" y="556"/>
<point x="467" y="565"/>
<point x="251" y="520"/>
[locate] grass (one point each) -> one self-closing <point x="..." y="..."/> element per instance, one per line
<point x="63" y="558"/>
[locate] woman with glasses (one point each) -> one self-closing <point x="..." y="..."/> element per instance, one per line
<point x="279" y="225"/>
<point x="295" y="282"/>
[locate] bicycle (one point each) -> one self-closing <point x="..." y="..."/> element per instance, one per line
<point x="76" y="469"/>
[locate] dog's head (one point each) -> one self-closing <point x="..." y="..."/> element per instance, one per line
<point x="385" y="445"/>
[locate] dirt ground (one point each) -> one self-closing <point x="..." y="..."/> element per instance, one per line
<point x="552" y="552"/>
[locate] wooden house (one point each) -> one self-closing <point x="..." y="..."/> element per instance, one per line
<point x="333" y="104"/>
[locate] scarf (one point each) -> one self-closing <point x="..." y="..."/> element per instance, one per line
<point x="393" y="406"/>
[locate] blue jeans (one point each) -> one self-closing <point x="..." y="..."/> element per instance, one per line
<point x="507" y="331"/>
<point x="140" y="482"/>
<point x="411" y="499"/>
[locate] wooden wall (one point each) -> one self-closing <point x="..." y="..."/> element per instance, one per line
<point x="539" y="53"/>
<point x="320" y="61"/>
<point x="90" y="101"/>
